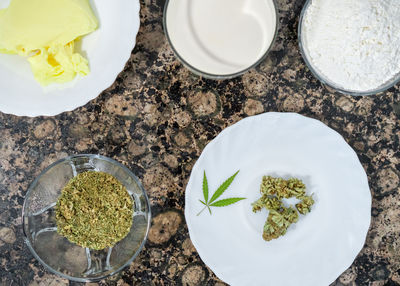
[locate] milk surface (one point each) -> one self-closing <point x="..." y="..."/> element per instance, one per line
<point x="221" y="37"/>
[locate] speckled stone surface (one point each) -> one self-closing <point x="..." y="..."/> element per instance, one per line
<point x="157" y="118"/>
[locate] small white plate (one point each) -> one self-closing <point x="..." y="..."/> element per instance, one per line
<point x="107" y="49"/>
<point x="315" y="250"/>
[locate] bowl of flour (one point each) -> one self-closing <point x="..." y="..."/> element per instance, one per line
<point x="352" y="46"/>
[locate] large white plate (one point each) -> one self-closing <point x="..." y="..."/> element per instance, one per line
<point x="107" y="49"/>
<point x="315" y="250"/>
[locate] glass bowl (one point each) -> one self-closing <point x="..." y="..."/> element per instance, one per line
<point x="55" y="252"/>
<point x="317" y="74"/>
<point x="218" y="76"/>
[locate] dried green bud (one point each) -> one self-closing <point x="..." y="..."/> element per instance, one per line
<point x="304" y="206"/>
<point x="258" y="205"/>
<point x="272" y="203"/>
<point x="291" y="215"/>
<point x="297" y="187"/>
<point x="268" y="202"/>
<point x="94" y="210"/>
<point x="279" y="219"/>
<point x="276" y="225"/>
<point x="272" y="230"/>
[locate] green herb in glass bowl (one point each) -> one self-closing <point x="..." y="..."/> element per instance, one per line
<point x="94" y="210"/>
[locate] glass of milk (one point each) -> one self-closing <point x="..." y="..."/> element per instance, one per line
<point x="220" y="39"/>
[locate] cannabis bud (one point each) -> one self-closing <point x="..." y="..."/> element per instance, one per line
<point x="273" y="190"/>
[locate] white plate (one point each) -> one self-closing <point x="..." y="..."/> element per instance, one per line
<point x="315" y="250"/>
<point x="107" y="49"/>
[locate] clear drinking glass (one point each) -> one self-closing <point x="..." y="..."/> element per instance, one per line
<point x="54" y="251"/>
<point x="204" y="74"/>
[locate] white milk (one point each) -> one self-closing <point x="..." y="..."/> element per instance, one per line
<point x="221" y="37"/>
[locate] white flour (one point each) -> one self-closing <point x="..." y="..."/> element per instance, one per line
<point x="354" y="43"/>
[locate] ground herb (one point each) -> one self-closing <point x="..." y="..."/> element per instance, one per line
<point x="273" y="190"/>
<point x="94" y="210"/>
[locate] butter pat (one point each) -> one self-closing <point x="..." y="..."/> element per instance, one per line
<point x="45" y="31"/>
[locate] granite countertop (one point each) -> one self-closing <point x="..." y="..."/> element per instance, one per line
<point x="156" y="119"/>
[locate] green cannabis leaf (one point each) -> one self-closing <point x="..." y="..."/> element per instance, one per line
<point x="221" y="203"/>
<point x="226" y="202"/>
<point x="205" y="187"/>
